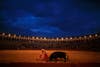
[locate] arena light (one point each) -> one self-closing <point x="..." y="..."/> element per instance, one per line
<point x="96" y="35"/>
<point x="3" y="34"/>
<point x="62" y="38"/>
<point x="9" y="35"/>
<point x="52" y="39"/>
<point x="45" y="38"/>
<point x="14" y="35"/>
<point x="57" y="38"/>
<point x="80" y="37"/>
<point x="90" y="36"/>
<point x="66" y="38"/>
<point x="71" y="38"/>
<point x="33" y="37"/>
<point x="37" y="37"/>
<point x="41" y="38"/>
<point x="84" y="36"/>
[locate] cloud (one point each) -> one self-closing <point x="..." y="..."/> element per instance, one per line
<point x="47" y="29"/>
<point x="31" y="21"/>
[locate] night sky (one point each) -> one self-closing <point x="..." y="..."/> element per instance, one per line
<point x="50" y="18"/>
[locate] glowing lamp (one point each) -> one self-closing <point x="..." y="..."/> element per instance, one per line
<point x="3" y="34"/>
<point x="14" y="35"/>
<point x="84" y="36"/>
<point x="71" y="38"/>
<point x="90" y="36"/>
<point x="96" y="35"/>
<point x="62" y="38"/>
<point x="57" y="38"/>
<point x="9" y="35"/>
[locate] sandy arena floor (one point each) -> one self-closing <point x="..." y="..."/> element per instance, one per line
<point x="31" y="56"/>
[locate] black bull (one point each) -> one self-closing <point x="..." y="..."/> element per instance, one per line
<point x="56" y="56"/>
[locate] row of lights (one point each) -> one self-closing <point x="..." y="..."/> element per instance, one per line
<point x="44" y="38"/>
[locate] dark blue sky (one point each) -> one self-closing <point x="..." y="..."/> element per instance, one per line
<point x="50" y="18"/>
